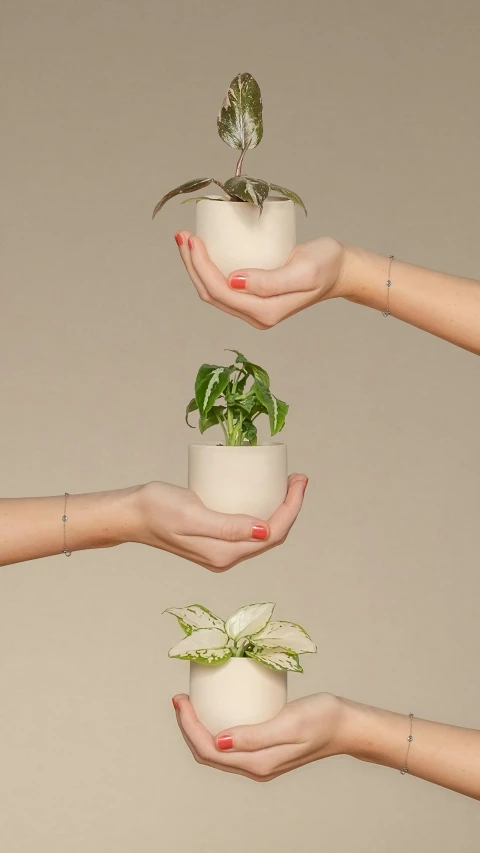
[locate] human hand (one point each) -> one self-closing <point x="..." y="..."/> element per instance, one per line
<point x="305" y="730"/>
<point x="264" y="298"/>
<point x="174" y="519"/>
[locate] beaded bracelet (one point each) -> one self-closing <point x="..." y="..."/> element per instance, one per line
<point x="65" y="519"/>
<point x="409" y="738"/>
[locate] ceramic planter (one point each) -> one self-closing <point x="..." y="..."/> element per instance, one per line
<point x="237" y="237"/>
<point x="238" y="692"/>
<point x="249" y="480"/>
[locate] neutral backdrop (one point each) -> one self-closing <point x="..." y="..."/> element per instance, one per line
<point x="371" y="114"/>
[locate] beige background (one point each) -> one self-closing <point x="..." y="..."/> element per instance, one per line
<point x="371" y="113"/>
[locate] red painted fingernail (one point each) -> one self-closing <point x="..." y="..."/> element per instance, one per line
<point x="190" y="243"/>
<point x="179" y="239"/>
<point x="238" y="282"/>
<point x="175" y="704"/>
<point x="225" y="742"/>
<point x="305" y="486"/>
<point x="259" y="531"/>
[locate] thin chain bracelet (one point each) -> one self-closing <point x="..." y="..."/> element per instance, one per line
<point x="65" y="519"/>
<point x="388" y="282"/>
<point x="409" y="738"/>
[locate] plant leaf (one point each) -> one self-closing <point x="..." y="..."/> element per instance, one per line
<point x="202" y="198"/>
<point x="286" y="635"/>
<point x="198" y="640"/>
<point x="277" y="409"/>
<point x="240" y="359"/>
<point x="258" y="373"/>
<point x="195" y="616"/>
<point x="210" y="657"/>
<point x="278" y="659"/>
<point x="249" y="432"/>
<point x="192" y="407"/>
<point x="240" y="122"/>
<point x="252" y="190"/>
<point x="289" y="194"/>
<point x="188" y="187"/>
<point x="249" y="620"/>
<point x="210" y="383"/>
<point x="213" y="418"/>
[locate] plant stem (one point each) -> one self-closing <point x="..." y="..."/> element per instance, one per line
<point x="238" y="170"/>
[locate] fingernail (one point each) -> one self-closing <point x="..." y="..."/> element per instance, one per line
<point x="259" y="531"/>
<point x="175" y="704"/>
<point x="179" y="239"/>
<point x="225" y="742"/>
<point x="190" y="243"/>
<point x="238" y="282"/>
<point x="305" y="486"/>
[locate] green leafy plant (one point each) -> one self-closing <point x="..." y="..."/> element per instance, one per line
<point x="240" y="125"/>
<point x="223" y="398"/>
<point x="250" y="633"/>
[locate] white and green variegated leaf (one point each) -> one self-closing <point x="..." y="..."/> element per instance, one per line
<point x="198" y="640"/>
<point x="195" y="616"/>
<point x="276" y="409"/>
<point x="188" y="187"/>
<point x="252" y="190"/>
<point x="286" y="635"/>
<point x="289" y="194"/>
<point x="210" y="383"/>
<point x="249" y="620"/>
<point x="240" y="122"/>
<point x="279" y="659"/>
<point x="210" y="657"/>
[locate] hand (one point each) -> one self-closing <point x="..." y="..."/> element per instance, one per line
<point x="175" y="520"/>
<point x="265" y="297"/>
<point x="306" y="730"/>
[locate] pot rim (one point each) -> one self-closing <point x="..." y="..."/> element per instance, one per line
<point x="242" y="447"/>
<point x="268" y="200"/>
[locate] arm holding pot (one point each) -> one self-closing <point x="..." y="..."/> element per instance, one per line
<point x="447" y="306"/>
<point x="157" y="514"/>
<point x="322" y="725"/>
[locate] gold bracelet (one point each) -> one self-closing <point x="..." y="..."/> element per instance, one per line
<point x="409" y="738"/>
<point x="65" y="519"/>
<point x="388" y="282"/>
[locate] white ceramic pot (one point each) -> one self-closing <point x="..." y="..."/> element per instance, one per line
<point x="238" y="692"/>
<point x="237" y="237"/>
<point x="249" y="480"/>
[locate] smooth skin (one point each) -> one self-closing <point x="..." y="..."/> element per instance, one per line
<point x="157" y="514"/>
<point x="444" y="305"/>
<point x="322" y="725"/>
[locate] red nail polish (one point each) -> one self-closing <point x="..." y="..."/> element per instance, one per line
<point x="238" y="282"/>
<point x="225" y="742"/>
<point x="179" y="239"/>
<point x="175" y="704"/>
<point x="190" y="243"/>
<point x="305" y="486"/>
<point x="259" y="531"/>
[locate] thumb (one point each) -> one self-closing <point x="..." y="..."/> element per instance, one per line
<point x="297" y="275"/>
<point x="256" y="737"/>
<point x="228" y="527"/>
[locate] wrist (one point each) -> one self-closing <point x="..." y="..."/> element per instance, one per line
<point x="102" y="519"/>
<point x="362" y="277"/>
<point x="373" y="734"/>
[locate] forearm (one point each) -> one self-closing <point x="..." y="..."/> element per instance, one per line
<point x="439" y="753"/>
<point x="444" y="305"/>
<point x="32" y="527"/>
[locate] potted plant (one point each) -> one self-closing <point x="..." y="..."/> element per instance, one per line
<point x="247" y="226"/>
<point x="239" y="473"/>
<point x="238" y="667"/>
